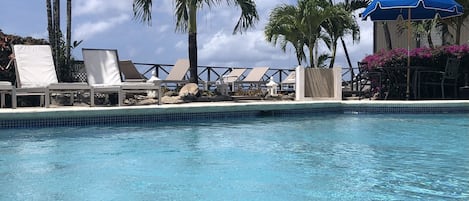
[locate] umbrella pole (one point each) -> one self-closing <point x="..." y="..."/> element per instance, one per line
<point x="407" y="92"/>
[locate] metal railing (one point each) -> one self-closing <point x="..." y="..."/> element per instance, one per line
<point x="210" y="74"/>
<point x="206" y="73"/>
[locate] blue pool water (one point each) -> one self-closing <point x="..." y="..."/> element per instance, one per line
<point x="321" y="157"/>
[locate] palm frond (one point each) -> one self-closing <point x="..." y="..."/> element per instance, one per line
<point x="182" y="15"/>
<point x="249" y="15"/>
<point x="142" y="10"/>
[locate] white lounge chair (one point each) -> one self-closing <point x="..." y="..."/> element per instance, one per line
<point x="288" y="84"/>
<point x="7" y="88"/>
<point x="178" y="72"/>
<point x="36" y="75"/>
<point x="255" y="77"/>
<point x="235" y="75"/>
<point x="130" y="72"/>
<point x="104" y="76"/>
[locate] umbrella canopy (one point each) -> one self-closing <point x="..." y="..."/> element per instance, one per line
<point x="419" y="9"/>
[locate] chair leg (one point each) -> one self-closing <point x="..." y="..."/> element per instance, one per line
<point x="47" y="98"/>
<point x="41" y="100"/>
<point x="72" y="98"/>
<point x="456" y="89"/>
<point x="92" y="97"/>
<point x="443" y="89"/>
<point x="159" y="96"/>
<point x="2" y="99"/>
<point x="120" y="97"/>
<point x="14" y="99"/>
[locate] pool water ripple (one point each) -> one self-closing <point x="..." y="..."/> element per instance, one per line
<point x="327" y="157"/>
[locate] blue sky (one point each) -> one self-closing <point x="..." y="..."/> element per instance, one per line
<point x="110" y="24"/>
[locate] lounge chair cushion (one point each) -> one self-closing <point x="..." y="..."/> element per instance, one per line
<point x="102" y="67"/>
<point x="34" y="65"/>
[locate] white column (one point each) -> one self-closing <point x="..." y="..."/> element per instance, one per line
<point x="300" y="83"/>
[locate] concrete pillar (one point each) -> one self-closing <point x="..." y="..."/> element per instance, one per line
<point x="300" y="83"/>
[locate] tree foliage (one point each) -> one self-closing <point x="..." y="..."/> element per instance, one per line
<point x="186" y="21"/>
<point x="303" y="24"/>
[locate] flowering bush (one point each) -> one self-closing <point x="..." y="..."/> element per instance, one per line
<point x="384" y="58"/>
<point x="434" y="58"/>
<point x="431" y="57"/>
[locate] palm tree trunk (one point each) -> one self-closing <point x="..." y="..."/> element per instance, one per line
<point x="193" y="57"/>
<point x="316" y="53"/>
<point x="347" y="56"/>
<point x="311" y="53"/>
<point x="387" y="36"/>
<point x="50" y="24"/>
<point x="430" y="40"/>
<point x="298" y="57"/>
<point x="57" y="31"/>
<point x="460" y="22"/>
<point x="69" y="36"/>
<point x="193" y="43"/>
<point x="69" y="31"/>
<point x="334" y="53"/>
<point x="444" y="34"/>
<point x="418" y="42"/>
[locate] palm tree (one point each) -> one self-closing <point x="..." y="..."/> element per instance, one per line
<point x="313" y="14"/>
<point x="421" y="29"/>
<point x="340" y="23"/>
<point x="186" y="21"/>
<point x="426" y="27"/>
<point x="283" y="28"/>
<point x="352" y="6"/>
<point x="298" y="25"/>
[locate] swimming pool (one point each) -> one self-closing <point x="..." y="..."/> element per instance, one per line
<point x="299" y="157"/>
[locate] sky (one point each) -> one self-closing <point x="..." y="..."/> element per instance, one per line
<point x="111" y="25"/>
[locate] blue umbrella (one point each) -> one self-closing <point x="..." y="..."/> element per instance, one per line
<point x="418" y="9"/>
<point x="411" y="10"/>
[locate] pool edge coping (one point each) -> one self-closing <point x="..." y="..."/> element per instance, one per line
<point x="207" y="107"/>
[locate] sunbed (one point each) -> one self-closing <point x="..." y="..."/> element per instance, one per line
<point x="177" y="74"/>
<point x="235" y="75"/>
<point x="36" y="75"/>
<point x="104" y="76"/>
<point x="255" y="77"/>
<point x="130" y="72"/>
<point x="289" y="82"/>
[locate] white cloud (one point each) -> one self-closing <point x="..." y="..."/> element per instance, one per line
<point x="217" y="45"/>
<point x="89" y="29"/>
<point x="93" y="7"/>
<point x="181" y="45"/>
<point x="163" y="28"/>
<point x="247" y="49"/>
